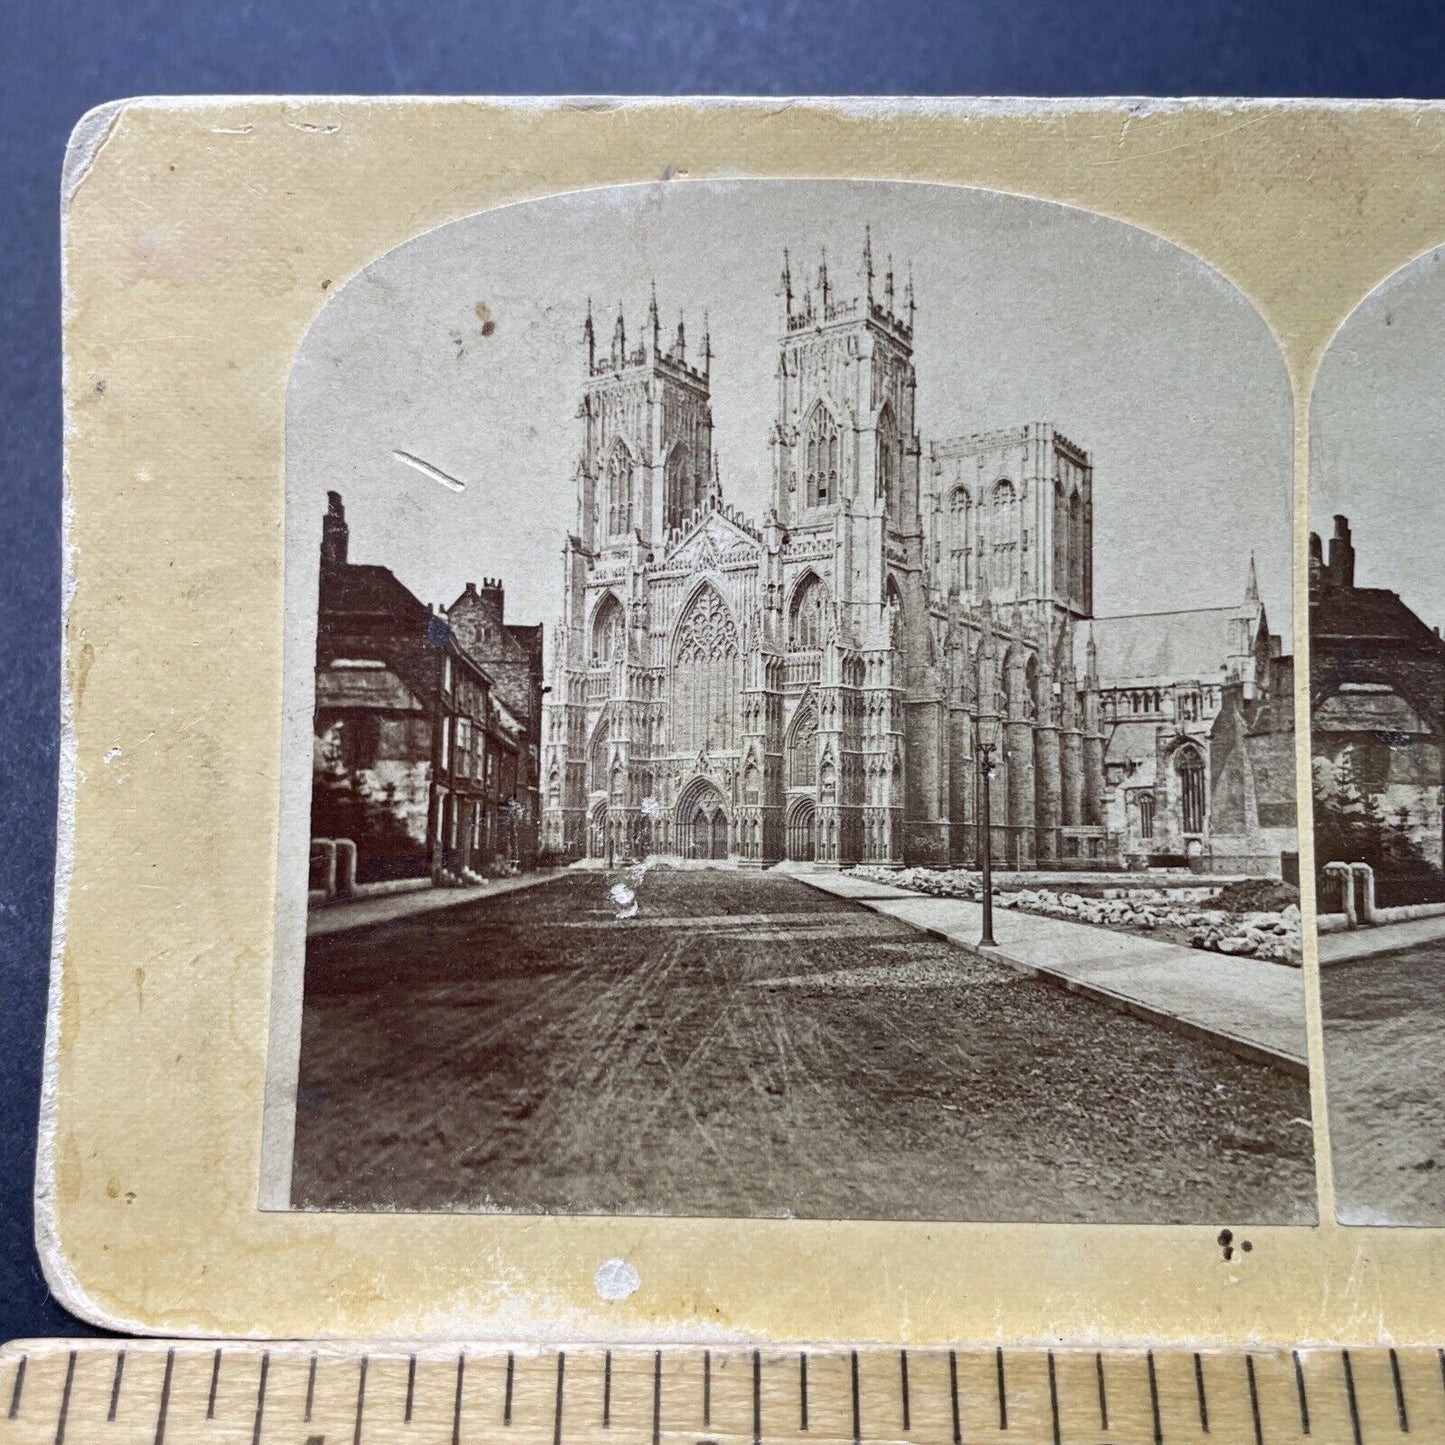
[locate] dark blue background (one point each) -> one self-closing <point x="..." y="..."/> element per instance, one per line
<point x="58" y="60"/>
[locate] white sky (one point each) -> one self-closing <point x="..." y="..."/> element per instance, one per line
<point x="1377" y="427"/>
<point x="1027" y="311"/>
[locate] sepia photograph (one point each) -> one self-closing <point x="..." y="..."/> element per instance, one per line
<point x="1377" y="705"/>
<point x="789" y="712"/>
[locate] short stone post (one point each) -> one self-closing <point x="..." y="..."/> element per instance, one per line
<point x="327" y="849"/>
<point x="346" y="859"/>
<point x="1346" y="879"/>
<point x="1365" y="875"/>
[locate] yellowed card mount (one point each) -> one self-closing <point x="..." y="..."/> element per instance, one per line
<point x="569" y="602"/>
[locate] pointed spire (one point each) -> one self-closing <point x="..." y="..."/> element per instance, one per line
<point x="908" y="295"/>
<point x="706" y="346"/>
<point x="589" y="337"/>
<point x="680" y="346"/>
<point x="888" y="284"/>
<point x="785" y="286"/>
<point x="652" y="320"/>
<point x="1091" y="659"/>
<point x="619" y="339"/>
<point x="868" y="259"/>
<point x="823" y="277"/>
<point x="714" y="485"/>
<point x="1251" y="591"/>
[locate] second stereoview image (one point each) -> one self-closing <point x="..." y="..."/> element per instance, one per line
<point x="790" y="712"/>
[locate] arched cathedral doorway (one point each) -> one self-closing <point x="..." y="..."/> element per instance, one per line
<point x="597" y="831"/>
<point x="702" y="822"/>
<point x="802" y="847"/>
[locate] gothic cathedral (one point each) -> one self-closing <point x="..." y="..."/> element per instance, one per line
<point x="813" y="687"/>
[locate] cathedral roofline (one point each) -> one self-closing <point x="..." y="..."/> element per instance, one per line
<point x="971" y="443"/>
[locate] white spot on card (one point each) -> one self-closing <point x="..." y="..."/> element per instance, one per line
<point x="427" y="470"/>
<point x="624" y="899"/>
<point x="616" y="1279"/>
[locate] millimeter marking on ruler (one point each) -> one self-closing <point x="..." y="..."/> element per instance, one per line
<point x="69" y="1392"/>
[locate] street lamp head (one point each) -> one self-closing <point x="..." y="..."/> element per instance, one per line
<point x="987" y="730"/>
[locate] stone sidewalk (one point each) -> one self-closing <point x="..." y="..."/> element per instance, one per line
<point x="383" y="907"/>
<point x="1252" y="1008"/>
<point x="1348" y="944"/>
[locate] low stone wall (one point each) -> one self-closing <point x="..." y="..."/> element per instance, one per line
<point x="1176" y="912"/>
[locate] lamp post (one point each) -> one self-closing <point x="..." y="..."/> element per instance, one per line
<point x="987" y="726"/>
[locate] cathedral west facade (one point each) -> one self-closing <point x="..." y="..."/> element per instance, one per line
<point x="813" y="685"/>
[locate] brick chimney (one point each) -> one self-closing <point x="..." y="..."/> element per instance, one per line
<point x="335" y="534"/>
<point x="1342" y="555"/>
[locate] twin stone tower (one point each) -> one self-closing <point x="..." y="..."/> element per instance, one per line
<point x="814" y="686"/>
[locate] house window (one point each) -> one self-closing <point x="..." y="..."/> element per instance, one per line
<point x="1146" y="815"/>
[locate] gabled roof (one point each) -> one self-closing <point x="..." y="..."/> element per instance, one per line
<point x="1164" y="646"/>
<point x="714" y="534"/>
<point x="1359" y="614"/>
<point x="358" y="591"/>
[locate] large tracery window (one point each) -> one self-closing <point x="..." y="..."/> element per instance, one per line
<point x="1189" y="764"/>
<point x="619" y="490"/>
<point x="803" y="750"/>
<point x="706" y="677"/>
<point x="597" y="758"/>
<point x="678" y="486"/>
<point x="1076" y="548"/>
<point x="1003" y="530"/>
<point x="1061" y="541"/>
<point x="805" y="631"/>
<point x="821" y="458"/>
<point x="607" y="631"/>
<point x="960" y="539"/>
<point x="888" y="465"/>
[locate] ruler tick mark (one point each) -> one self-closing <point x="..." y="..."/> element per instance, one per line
<point x="557" y="1417"/>
<point x="953" y="1396"/>
<point x="215" y="1380"/>
<point x="1399" y="1393"/>
<point x="657" y="1398"/>
<point x="1054" y="1397"/>
<point x="507" y="1396"/>
<point x="410" y="1387"/>
<point x="165" y="1398"/>
<point x="757" y="1398"/>
<point x="1199" y="1391"/>
<point x="903" y="1383"/>
<point x="1001" y="1386"/>
<point x="1154" y="1399"/>
<point x="360" y="1400"/>
<point x="857" y="1408"/>
<point x="1304" y="1403"/>
<point x="1103" y="1394"/>
<point x="1350" y="1395"/>
<point x="19" y="1386"/>
<point x="115" y="1386"/>
<point x="65" y="1400"/>
<point x="457" y="1399"/>
<point x="802" y="1390"/>
<point x="607" y="1390"/>
<point x="1254" y="1400"/>
<point x="261" y="1398"/>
